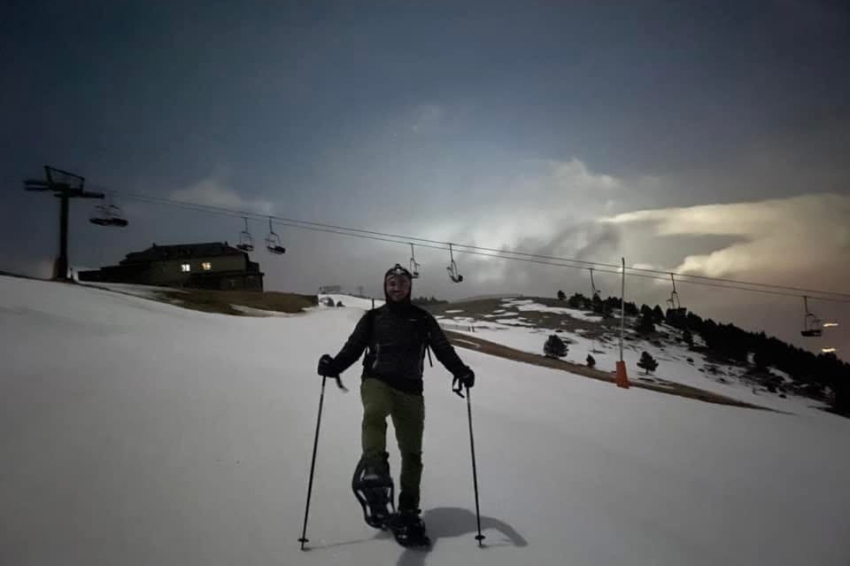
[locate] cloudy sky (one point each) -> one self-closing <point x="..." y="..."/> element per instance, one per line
<point x="699" y="137"/>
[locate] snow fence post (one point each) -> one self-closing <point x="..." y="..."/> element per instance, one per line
<point x="622" y="377"/>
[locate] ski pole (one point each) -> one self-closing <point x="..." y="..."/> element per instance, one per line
<point x="304" y="538"/>
<point x="479" y="537"/>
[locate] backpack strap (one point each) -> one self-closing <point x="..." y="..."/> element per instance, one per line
<point x="424" y="322"/>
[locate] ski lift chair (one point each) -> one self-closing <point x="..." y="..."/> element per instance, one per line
<point x="593" y="284"/>
<point x="676" y="311"/>
<point x="675" y="305"/>
<point x="101" y="217"/>
<point x="452" y="268"/>
<point x="108" y="215"/>
<point x="246" y="241"/>
<point x="414" y="266"/>
<point x="273" y="241"/>
<point x="117" y="217"/>
<point x="812" y="327"/>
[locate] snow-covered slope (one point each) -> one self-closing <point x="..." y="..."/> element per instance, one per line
<point x="134" y="432"/>
<point x="506" y="325"/>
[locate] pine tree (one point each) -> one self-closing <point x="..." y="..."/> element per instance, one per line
<point x="591" y="362"/>
<point x="645" y="324"/>
<point x="647" y="362"/>
<point x="597" y="305"/>
<point x="760" y="361"/>
<point x="561" y="295"/>
<point x="841" y="400"/>
<point x="554" y="347"/>
<point x="688" y="338"/>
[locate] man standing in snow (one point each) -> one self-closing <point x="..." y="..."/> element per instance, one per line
<point x="395" y="337"/>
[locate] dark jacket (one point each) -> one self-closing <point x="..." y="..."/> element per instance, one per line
<point x="395" y="337"/>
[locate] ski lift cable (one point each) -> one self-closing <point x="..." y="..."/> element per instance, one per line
<point x="234" y="212"/>
<point x="559" y="262"/>
<point x="500" y="253"/>
<point x="476" y="250"/>
<point x="683" y="277"/>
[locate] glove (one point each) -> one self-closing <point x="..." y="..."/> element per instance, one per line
<point x="463" y="379"/>
<point x="326" y="366"/>
<point x="327" y="369"/>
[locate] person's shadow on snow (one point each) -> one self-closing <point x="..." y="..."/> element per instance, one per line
<point x="449" y="522"/>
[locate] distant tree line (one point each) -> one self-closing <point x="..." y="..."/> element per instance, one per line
<point x="598" y="305"/>
<point x="812" y="373"/>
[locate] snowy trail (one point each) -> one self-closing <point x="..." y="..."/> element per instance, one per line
<point x="151" y="434"/>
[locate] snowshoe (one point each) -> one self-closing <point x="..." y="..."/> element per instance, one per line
<point x="409" y="530"/>
<point x="374" y="489"/>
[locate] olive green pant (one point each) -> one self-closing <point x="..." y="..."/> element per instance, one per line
<point x="408" y="414"/>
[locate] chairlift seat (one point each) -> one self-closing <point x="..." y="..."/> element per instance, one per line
<point x="273" y="243"/>
<point x="100" y="221"/>
<point x="246" y="242"/>
<point x="812" y="332"/>
<point x="109" y="216"/>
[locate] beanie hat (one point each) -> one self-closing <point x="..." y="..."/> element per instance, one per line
<point x="396" y="271"/>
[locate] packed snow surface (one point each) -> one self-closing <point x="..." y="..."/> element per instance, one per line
<point x="134" y="432"/>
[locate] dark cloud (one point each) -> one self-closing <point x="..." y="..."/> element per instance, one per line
<point x="518" y="128"/>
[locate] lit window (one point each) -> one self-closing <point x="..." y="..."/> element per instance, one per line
<point x="206" y="266"/>
<point x="186" y="267"/>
